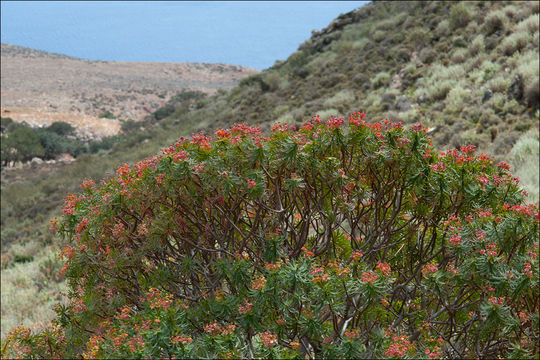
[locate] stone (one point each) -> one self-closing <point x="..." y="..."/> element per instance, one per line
<point x="402" y="104"/>
<point x="487" y="95"/>
<point x="388" y="98"/>
<point x="36" y="161"/>
<point x="66" y="158"/>
<point x="516" y="88"/>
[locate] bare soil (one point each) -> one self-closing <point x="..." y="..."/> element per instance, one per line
<point x="40" y="87"/>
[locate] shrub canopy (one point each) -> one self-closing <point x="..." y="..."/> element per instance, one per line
<point x="335" y="240"/>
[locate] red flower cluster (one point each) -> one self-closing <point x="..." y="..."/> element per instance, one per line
<point x="438" y="167"/>
<point x="525" y="210"/>
<point x="399" y="347"/>
<point x="497" y="301"/>
<point x="221" y="133"/>
<point x="357" y="118"/>
<point x="307" y="253"/>
<point x="217" y="329"/>
<point x="156" y="299"/>
<point x="180" y="339"/>
<point x="334" y="122"/>
<point x="268" y="339"/>
<point x="433" y="354"/>
<point x="87" y="184"/>
<point x="321" y="276"/>
<point x="455" y="240"/>
<point x="490" y="250"/>
<point x="369" y="277"/>
<point x="279" y="127"/>
<point x="245" y="130"/>
<point x="503" y="165"/>
<point x="245" y="308"/>
<point x="384" y="268"/>
<point x="351" y="334"/>
<point x="258" y="283"/>
<point x="69" y="205"/>
<point x="429" y="268"/>
<point x="527" y="270"/>
<point x="201" y="140"/>
<point x="403" y="141"/>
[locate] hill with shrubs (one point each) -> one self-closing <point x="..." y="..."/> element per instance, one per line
<point x="467" y="70"/>
<point x="379" y="243"/>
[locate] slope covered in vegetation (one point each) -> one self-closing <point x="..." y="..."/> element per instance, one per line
<point x="468" y="71"/>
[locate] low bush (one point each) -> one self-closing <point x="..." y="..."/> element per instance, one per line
<point x="22" y="144"/>
<point x="495" y="21"/>
<point x="340" y="99"/>
<point x="427" y="56"/>
<point x="532" y="93"/>
<point x="457" y="99"/>
<point x="381" y="79"/>
<point x="163" y="112"/>
<point x="477" y="46"/>
<point x="61" y="128"/>
<point x="55" y="142"/>
<point x="524" y="158"/>
<point x="5" y="124"/>
<point x="460" y="16"/>
<point x="459" y="55"/>
<point x="530" y="25"/>
<point x="514" y="42"/>
<point x="335" y="241"/>
<point x="107" y="115"/>
<point x="418" y="38"/>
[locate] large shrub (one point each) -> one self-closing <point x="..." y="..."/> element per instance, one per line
<point x="21" y="144"/>
<point x="336" y="241"/>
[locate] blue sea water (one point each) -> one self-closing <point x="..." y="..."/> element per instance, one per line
<point x="246" y="33"/>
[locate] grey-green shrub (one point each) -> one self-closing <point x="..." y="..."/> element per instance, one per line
<point x="457" y="98"/>
<point x="477" y="45"/>
<point x="514" y="42"/>
<point x="524" y="158"/>
<point x="459" y="16"/>
<point x="381" y="79"/>
<point x="495" y="20"/>
<point x="341" y="98"/>
<point x="530" y="24"/>
<point x="459" y="55"/>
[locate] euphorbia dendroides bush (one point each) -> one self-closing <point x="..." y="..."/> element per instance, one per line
<point x="335" y="240"/>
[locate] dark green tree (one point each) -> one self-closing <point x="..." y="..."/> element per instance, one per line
<point x="4" y="123"/>
<point x="22" y="144"/>
<point x="61" y="128"/>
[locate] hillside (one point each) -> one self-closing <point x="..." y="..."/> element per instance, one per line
<point x="468" y="71"/>
<point x="40" y="87"/>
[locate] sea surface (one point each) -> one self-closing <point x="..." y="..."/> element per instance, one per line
<point x="245" y="33"/>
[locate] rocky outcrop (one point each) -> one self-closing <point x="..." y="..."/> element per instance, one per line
<point x="320" y="39"/>
<point x="516" y="88"/>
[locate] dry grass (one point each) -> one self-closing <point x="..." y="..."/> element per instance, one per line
<point x="27" y="296"/>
